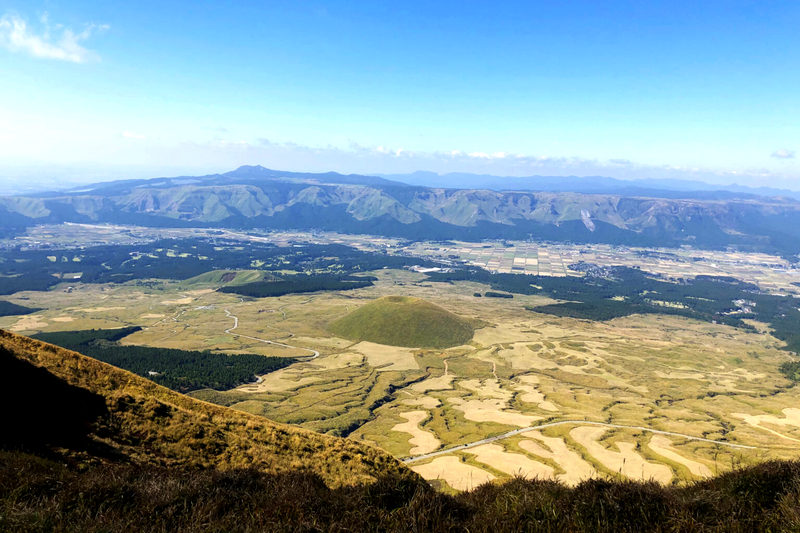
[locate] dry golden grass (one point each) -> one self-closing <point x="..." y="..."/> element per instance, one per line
<point x="152" y="424"/>
<point x="386" y="357"/>
<point x="492" y="410"/>
<point x="423" y="441"/>
<point x="459" y="475"/>
<point x="791" y="418"/>
<point x="513" y="464"/>
<point x="531" y="394"/>
<point x="486" y="388"/>
<point x="575" y="468"/>
<point x="626" y="462"/>
<point x="663" y="446"/>
<point x="443" y="382"/>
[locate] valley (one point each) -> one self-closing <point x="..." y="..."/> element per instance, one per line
<point x="639" y="396"/>
<point x="403" y="267"/>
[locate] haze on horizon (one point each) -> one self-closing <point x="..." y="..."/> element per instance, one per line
<point x="94" y="91"/>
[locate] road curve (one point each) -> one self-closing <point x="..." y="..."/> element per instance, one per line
<point x="560" y="423"/>
<point x="235" y="318"/>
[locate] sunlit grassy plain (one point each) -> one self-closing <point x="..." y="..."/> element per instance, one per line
<point x="522" y="369"/>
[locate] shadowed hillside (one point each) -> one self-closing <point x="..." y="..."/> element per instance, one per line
<point x="47" y="411"/>
<point x="132" y="418"/>
<point x="404" y="321"/>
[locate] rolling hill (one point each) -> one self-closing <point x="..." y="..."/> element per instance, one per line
<point x="404" y="321"/>
<point x="220" y="278"/>
<point x="256" y="197"/>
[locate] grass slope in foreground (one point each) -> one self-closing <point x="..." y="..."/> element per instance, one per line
<point x="127" y="417"/>
<point x="404" y="321"/>
<point x="43" y="495"/>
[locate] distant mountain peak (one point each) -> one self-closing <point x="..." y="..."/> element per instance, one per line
<point x="250" y="169"/>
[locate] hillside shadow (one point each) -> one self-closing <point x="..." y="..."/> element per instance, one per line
<point x="42" y="411"/>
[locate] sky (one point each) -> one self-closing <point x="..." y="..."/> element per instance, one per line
<point x="688" y="90"/>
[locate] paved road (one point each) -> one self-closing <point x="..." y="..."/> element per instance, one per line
<point x="563" y="422"/>
<point x="235" y="318"/>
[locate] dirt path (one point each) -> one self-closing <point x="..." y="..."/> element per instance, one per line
<point x="565" y="422"/>
<point x="235" y="318"/>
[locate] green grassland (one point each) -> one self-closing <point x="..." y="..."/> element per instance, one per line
<point x="219" y="278"/>
<point x="404" y="321"/>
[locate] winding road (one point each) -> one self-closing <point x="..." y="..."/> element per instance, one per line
<point x="235" y="318"/>
<point x="563" y="422"/>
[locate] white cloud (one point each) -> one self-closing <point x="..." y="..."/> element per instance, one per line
<point x="363" y="159"/>
<point x="783" y="153"/>
<point x="17" y="36"/>
<point x="125" y="147"/>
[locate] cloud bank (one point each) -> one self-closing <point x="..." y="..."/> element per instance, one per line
<point x="59" y="43"/>
<point x="222" y="154"/>
<point x="783" y="153"/>
<point x="130" y="153"/>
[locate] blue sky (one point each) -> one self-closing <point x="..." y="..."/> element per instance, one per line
<point x="696" y="90"/>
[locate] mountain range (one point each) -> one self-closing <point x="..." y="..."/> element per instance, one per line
<point x="659" y="188"/>
<point x="257" y="197"/>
